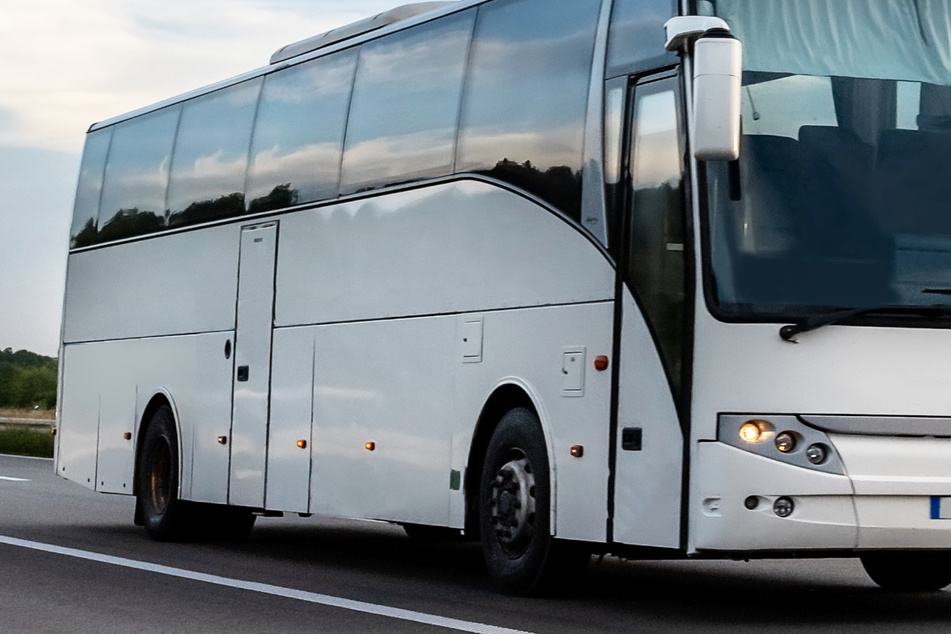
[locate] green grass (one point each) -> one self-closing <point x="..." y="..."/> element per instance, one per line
<point x="26" y="442"/>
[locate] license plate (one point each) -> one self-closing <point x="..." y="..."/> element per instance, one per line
<point x="940" y="508"/>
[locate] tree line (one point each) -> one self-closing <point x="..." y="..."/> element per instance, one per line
<point x="27" y="379"/>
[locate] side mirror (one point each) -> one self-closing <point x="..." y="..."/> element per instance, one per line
<point x="717" y="81"/>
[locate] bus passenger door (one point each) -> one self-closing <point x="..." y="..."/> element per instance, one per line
<point x="252" y="374"/>
<point x="649" y="443"/>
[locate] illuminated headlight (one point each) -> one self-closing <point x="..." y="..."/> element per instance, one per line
<point x="750" y="432"/>
<point x="783" y="437"/>
<point x="755" y="431"/>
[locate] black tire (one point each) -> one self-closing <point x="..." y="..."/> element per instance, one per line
<point x="157" y="506"/>
<point x="164" y="516"/>
<point x="909" y="571"/>
<point x="520" y="553"/>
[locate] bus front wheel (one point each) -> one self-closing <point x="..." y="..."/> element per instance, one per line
<point x="520" y="552"/>
<point x="909" y="571"/>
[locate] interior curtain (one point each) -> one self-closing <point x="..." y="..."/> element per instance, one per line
<point x="907" y="40"/>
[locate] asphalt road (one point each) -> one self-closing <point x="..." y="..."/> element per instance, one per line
<point x="72" y="561"/>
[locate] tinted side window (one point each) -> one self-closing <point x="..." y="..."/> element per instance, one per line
<point x="298" y="137"/>
<point x="91" y="171"/>
<point x="406" y="104"/>
<point x="636" y="38"/>
<point x="525" y="102"/>
<point x="133" y="192"/>
<point x="211" y="155"/>
<point x="656" y="261"/>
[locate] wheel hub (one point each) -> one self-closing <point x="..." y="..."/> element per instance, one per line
<point x="160" y="478"/>
<point x="513" y="505"/>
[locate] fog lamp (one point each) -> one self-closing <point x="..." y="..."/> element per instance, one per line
<point x="783" y="507"/>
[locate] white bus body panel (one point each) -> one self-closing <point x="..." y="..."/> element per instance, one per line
<point x="458" y="247"/>
<point x="171" y="286"/>
<point x="252" y="354"/>
<point x="292" y="412"/>
<point x="847" y="370"/>
<point x="101" y="378"/>
<point x="389" y="383"/>
<point x="648" y="482"/>
<point x="528" y="348"/>
<point x="368" y="302"/>
<point x="177" y="284"/>
<point x="894" y="479"/>
<point x="836" y="370"/>
<point x="117" y="417"/>
<point x="404" y="386"/>
<point x="824" y="516"/>
<point x="78" y="428"/>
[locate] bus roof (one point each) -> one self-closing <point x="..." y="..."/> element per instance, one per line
<point x="356" y="28"/>
<point x="341" y="37"/>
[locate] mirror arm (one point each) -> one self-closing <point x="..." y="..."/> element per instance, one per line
<point x="683" y="30"/>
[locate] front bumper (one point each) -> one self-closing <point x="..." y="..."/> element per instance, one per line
<point x="884" y="500"/>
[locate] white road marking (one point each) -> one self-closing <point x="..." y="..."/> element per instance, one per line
<point x="264" y="588"/>
<point x="9" y="479"/>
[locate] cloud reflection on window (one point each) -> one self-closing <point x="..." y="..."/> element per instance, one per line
<point x="211" y="155"/>
<point x="86" y="211"/>
<point x="298" y="137"/>
<point x="405" y="104"/>
<point x="133" y="197"/>
<point x="528" y="80"/>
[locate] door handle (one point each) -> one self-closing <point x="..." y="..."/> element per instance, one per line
<point x="243" y="373"/>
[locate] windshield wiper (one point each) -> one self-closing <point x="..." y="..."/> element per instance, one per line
<point x="813" y="322"/>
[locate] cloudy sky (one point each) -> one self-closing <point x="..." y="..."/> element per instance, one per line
<point x="69" y="63"/>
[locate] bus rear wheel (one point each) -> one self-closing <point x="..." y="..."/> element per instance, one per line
<point x="909" y="571"/>
<point x="165" y="517"/>
<point x="157" y="505"/>
<point x="520" y="552"/>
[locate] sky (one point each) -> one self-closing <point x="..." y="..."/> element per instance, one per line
<point x="70" y="63"/>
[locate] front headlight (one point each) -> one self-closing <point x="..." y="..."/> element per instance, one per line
<point x="793" y="441"/>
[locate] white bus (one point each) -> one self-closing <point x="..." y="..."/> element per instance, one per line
<point x="514" y="268"/>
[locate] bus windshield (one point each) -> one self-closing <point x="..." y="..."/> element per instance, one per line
<point x="841" y="196"/>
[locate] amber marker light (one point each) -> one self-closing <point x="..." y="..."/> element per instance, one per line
<point x="370" y="446"/>
<point x="601" y="363"/>
<point x="302" y="444"/>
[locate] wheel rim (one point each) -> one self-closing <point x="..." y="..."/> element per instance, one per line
<point x="160" y="477"/>
<point x="513" y="506"/>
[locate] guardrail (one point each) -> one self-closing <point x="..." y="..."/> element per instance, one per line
<point x="32" y="424"/>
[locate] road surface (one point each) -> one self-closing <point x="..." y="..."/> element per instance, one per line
<point x="72" y="561"/>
